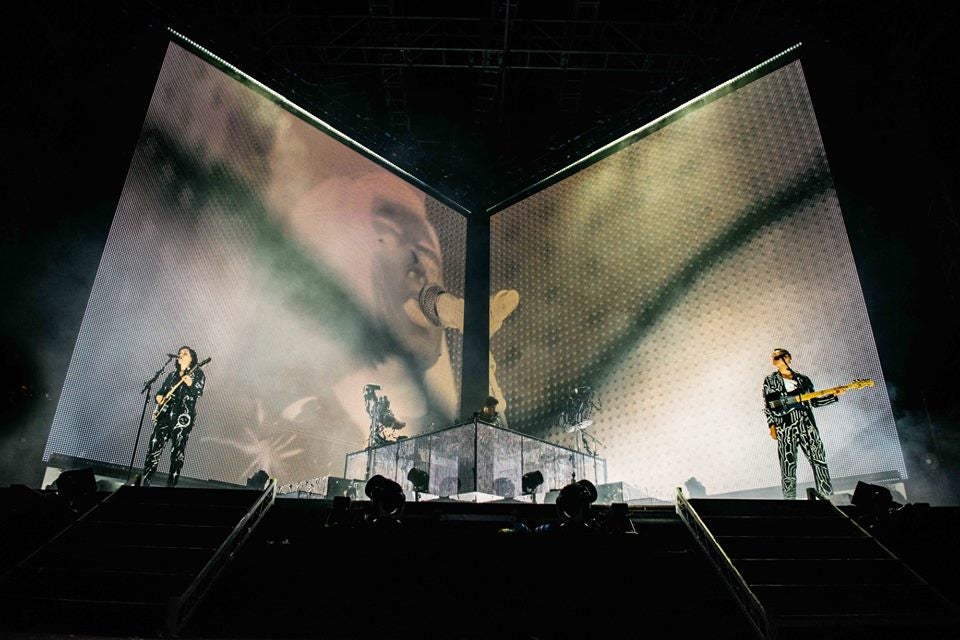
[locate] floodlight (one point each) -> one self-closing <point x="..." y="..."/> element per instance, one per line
<point x="530" y="481"/>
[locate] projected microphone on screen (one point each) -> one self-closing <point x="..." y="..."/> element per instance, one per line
<point x="446" y="310"/>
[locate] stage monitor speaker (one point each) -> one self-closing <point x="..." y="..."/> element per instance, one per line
<point x="77" y="486"/>
<point x="874" y="501"/>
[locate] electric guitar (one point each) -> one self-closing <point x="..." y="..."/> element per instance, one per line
<point x="780" y="404"/>
<point x="163" y="406"/>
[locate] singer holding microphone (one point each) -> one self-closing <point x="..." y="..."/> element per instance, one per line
<point x="173" y="419"/>
<point x="796" y="429"/>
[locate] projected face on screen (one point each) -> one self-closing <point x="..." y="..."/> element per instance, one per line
<point x="374" y="230"/>
<point x="664" y="275"/>
<point x="290" y="260"/>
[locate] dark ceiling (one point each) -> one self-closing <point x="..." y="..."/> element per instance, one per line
<point x="476" y="98"/>
<point x="480" y="98"/>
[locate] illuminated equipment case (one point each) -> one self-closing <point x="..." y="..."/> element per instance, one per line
<point x="476" y="461"/>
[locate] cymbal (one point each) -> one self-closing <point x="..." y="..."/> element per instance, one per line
<point x="580" y="426"/>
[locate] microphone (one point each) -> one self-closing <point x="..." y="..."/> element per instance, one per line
<point x="172" y="355"/>
<point x="442" y="309"/>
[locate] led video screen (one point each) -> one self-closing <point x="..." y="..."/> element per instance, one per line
<point x="659" y="280"/>
<point x="289" y="259"/>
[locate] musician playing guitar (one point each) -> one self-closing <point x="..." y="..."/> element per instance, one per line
<point x="175" y="415"/>
<point x="793" y="427"/>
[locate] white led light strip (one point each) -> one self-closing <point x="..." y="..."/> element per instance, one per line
<point x="585" y="159"/>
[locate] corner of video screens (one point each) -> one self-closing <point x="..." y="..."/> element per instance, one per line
<point x="291" y="260"/>
<point x="663" y="276"/>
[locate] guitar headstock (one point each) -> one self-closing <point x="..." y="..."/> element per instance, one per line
<point x="860" y="384"/>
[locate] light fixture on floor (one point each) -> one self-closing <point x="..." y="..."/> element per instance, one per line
<point x="386" y="498"/>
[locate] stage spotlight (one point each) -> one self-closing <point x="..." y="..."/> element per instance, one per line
<point x="574" y="502"/>
<point x="419" y="478"/>
<point x="386" y="497"/>
<point x="530" y="481"/>
<point x="875" y="502"/>
<point x="78" y="487"/>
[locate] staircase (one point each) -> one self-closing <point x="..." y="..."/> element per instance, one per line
<point x="138" y="562"/>
<point x="804" y="569"/>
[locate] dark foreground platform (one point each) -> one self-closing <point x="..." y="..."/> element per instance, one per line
<point x="436" y="570"/>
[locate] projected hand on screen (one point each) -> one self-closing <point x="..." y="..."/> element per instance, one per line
<point x="444" y="309"/>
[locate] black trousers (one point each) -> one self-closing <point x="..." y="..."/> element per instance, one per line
<point x="802" y="436"/>
<point x="177" y="434"/>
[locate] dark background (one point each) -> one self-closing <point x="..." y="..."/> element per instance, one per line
<point x="881" y="76"/>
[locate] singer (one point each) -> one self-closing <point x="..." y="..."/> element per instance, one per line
<point x="796" y="429"/>
<point x="174" y="420"/>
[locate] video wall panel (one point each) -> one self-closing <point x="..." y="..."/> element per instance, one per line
<point x="663" y="276"/>
<point x="291" y="260"/>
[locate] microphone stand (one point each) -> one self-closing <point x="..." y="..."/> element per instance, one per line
<point x="146" y="398"/>
<point x="593" y="453"/>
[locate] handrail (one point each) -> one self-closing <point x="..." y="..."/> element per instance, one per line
<point x="180" y="608"/>
<point x="736" y="583"/>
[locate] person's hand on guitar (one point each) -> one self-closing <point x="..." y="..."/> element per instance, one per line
<point x="823" y="401"/>
<point x="188" y="380"/>
<point x="159" y="399"/>
<point x="773" y="432"/>
<point x="834" y="397"/>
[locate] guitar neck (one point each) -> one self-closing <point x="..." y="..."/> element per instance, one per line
<point x="803" y="397"/>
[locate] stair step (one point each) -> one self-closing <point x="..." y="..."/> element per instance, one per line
<point x="171" y="513"/>
<point x="147" y="585"/>
<point x="871" y="571"/>
<point x="79" y="615"/>
<point x="186" y="496"/>
<point x="872" y="622"/>
<point x="778" y="526"/>
<point x="146" y="533"/>
<point x="831" y="599"/>
<point x="111" y="557"/>
<point x="707" y="507"/>
<point x="797" y="547"/>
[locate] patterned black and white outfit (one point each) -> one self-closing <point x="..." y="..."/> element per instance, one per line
<point x="174" y="425"/>
<point x="797" y="430"/>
